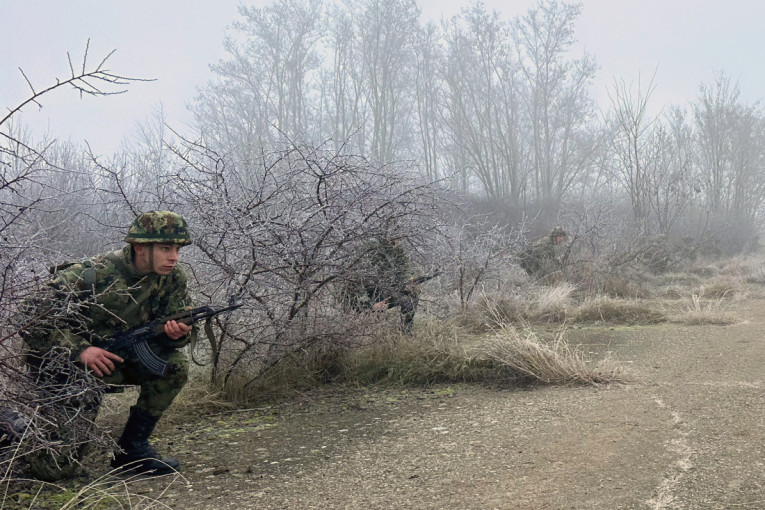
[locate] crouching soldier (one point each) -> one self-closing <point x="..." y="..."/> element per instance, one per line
<point x="541" y="257"/>
<point x="87" y="303"/>
<point x="386" y="283"/>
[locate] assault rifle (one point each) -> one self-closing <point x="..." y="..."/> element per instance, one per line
<point x="134" y="341"/>
<point x="422" y="279"/>
<point x="412" y="281"/>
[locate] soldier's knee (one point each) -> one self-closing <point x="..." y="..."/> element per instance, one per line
<point x="179" y="375"/>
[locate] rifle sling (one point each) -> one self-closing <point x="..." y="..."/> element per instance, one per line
<point x="210" y="338"/>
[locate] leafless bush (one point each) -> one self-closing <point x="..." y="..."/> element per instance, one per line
<point x="477" y="255"/>
<point x="722" y="287"/>
<point x="608" y="254"/>
<point x="287" y="236"/>
<point x="37" y="185"/>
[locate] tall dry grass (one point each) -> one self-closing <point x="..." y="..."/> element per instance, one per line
<point x="531" y="304"/>
<point x="111" y="490"/>
<point x="519" y="351"/>
<point x="445" y="352"/>
<point x="698" y="310"/>
<point x="618" y="311"/>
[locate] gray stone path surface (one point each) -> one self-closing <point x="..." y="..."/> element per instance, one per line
<point x="688" y="433"/>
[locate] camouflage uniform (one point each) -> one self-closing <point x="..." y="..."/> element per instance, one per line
<point x="541" y="258"/>
<point x="113" y="297"/>
<point x="89" y="302"/>
<point x="389" y="274"/>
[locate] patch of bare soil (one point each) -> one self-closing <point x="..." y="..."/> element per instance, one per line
<point x="687" y="433"/>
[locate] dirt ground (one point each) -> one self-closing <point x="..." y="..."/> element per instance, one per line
<point x="688" y="432"/>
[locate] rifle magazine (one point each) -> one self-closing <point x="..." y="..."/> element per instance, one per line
<point x="151" y="361"/>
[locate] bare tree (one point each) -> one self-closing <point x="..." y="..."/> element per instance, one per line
<point x="344" y="100"/>
<point x="481" y="106"/>
<point x="556" y="98"/>
<point x="263" y="94"/>
<point x="479" y="254"/>
<point x="428" y="89"/>
<point x="730" y="145"/>
<point x="385" y="35"/>
<point x="673" y="179"/>
<point x="631" y="137"/>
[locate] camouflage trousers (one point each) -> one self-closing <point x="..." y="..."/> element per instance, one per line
<point x="74" y="408"/>
<point x="407" y="304"/>
<point x="156" y="392"/>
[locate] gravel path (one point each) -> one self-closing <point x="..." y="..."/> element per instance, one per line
<point x="688" y="433"/>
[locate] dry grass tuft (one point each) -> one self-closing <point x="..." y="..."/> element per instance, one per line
<point x="617" y="311"/>
<point x="521" y="353"/>
<point x="672" y="292"/>
<point x="548" y="304"/>
<point x="552" y="303"/>
<point x="681" y="279"/>
<point x="700" y="311"/>
<point x="722" y="287"/>
<point x="703" y="271"/>
<point x="624" y="287"/>
<point x="111" y="490"/>
<point x="756" y="276"/>
<point x="438" y="352"/>
<point x="198" y="395"/>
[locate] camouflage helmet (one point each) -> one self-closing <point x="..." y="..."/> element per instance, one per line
<point x="159" y="227"/>
<point x="558" y="231"/>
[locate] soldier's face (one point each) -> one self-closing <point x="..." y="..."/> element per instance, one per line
<point x="158" y="257"/>
<point x="558" y="239"/>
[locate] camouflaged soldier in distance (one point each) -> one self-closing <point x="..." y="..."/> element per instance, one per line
<point x="540" y="258"/>
<point x="389" y="273"/>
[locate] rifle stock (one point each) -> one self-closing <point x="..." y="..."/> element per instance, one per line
<point x="135" y="339"/>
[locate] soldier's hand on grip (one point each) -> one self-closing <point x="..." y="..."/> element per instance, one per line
<point x="100" y="361"/>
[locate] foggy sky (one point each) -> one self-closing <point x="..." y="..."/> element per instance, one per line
<point x="683" y="41"/>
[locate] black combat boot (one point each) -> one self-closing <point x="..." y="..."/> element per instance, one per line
<point x="13" y="426"/>
<point x="138" y="453"/>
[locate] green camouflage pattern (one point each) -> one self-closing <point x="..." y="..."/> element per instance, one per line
<point x="391" y="265"/>
<point x="89" y="302"/>
<point x="83" y="305"/>
<point x="558" y="231"/>
<point x="541" y="257"/>
<point x="159" y="227"/>
<point x="388" y="273"/>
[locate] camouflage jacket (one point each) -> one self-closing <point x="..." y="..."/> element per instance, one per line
<point x="86" y="303"/>
<point x="391" y="269"/>
<point x="383" y="273"/>
<point x="540" y="257"/>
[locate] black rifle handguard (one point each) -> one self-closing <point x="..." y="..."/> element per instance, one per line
<point x="135" y="339"/>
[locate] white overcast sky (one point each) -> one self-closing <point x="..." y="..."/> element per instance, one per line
<point x="683" y="41"/>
